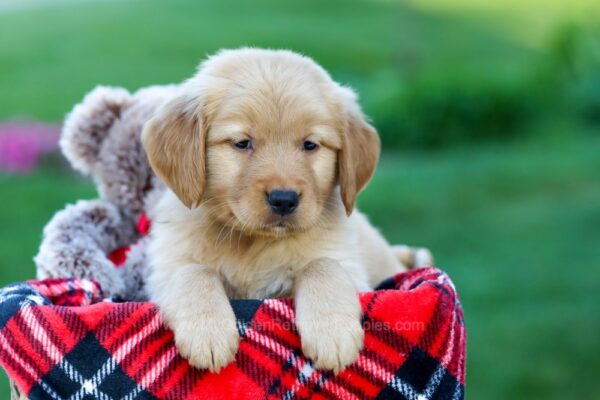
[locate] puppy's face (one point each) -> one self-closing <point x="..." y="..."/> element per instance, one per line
<point x="272" y="156"/>
<point x="261" y="139"/>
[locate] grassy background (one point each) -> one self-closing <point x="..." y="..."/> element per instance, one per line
<point x="510" y="209"/>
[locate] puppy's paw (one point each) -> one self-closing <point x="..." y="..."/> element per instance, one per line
<point x="413" y="257"/>
<point x="210" y="342"/>
<point x="332" y="342"/>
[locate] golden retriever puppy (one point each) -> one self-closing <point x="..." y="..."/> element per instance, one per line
<point x="264" y="155"/>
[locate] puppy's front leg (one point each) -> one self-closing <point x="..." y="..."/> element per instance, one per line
<point x="194" y="304"/>
<point x="328" y="315"/>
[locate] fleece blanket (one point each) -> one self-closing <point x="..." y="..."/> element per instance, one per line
<point x="60" y="339"/>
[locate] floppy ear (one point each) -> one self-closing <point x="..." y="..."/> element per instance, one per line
<point x="359" y="153"/>
<point x="175" y="142"/>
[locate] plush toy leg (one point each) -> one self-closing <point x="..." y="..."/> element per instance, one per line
<point x="135" y="271"/>
<point x="77" y="240"/>
<point x="413" y="257"/>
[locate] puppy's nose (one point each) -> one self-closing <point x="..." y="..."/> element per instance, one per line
<point x="283" y="202"/>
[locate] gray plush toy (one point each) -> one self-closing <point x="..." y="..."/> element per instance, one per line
<point x="101" y="139"/>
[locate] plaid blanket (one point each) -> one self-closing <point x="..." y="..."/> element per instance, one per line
<point x="59" y="339"/>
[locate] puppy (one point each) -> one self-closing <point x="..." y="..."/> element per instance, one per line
<point x="264" y="155"/>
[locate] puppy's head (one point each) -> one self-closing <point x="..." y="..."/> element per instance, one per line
<point x="262" y="138"/>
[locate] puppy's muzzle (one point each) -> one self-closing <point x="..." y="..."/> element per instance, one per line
<point x="283" y="202"/>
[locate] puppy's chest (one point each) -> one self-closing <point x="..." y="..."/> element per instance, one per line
<point x="262" y="272"/>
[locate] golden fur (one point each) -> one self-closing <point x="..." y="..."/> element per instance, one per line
<point x="214" y="235"/>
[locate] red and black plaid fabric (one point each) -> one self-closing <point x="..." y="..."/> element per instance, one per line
<point x="60" y="340"/>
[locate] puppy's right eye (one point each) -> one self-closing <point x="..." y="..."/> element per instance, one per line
<point x="243" y="144"/>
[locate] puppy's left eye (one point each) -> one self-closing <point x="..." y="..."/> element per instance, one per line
<point x="243" y="144"/>
<point x="309" y="146"/>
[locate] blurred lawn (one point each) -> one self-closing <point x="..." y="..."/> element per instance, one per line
<point x="67" y="49"/>
<point x="517" y="225"/>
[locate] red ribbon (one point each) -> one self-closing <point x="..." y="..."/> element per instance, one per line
<point x="119" y="256"/>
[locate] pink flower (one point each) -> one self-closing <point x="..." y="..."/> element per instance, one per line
<point x="22" y="144"/>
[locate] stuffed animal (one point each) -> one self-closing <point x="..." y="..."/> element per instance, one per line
<point x="101" y="139"/>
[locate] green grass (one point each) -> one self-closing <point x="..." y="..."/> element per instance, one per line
<point x="517" y="228"/>
<point x="528" y="22"/>
<point x="68" y="49"/>
<point x="420" y="67"/>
